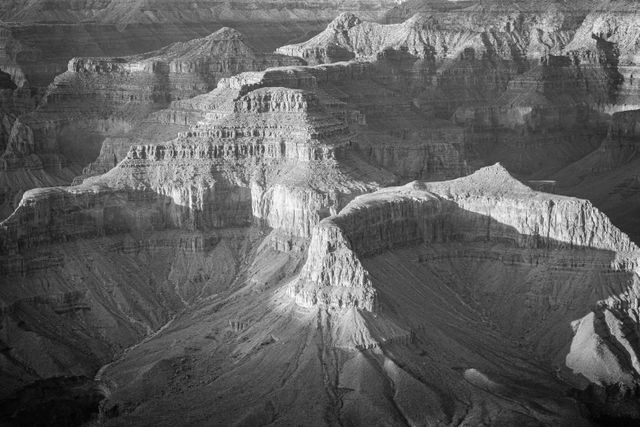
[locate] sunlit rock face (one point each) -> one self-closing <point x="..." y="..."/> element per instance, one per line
<point x="236" y="255"/>
<point x="387" y="129"/>
<point x="456" y="211"/>
<point x="561" y="256"/>
<point x="477" y="284"/>
<point x="102" y="97"/>
<point x="267" y="158"/>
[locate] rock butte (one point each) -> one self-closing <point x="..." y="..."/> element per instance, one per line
<point x="346" y="231"/>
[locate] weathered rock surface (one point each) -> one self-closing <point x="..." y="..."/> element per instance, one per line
<point x="473" y="220"/>
<point x="496" y="71"/>
<point x="275" y="158"/>
<point x="101" y="97"/>
<point x="231" y="257"/>
<point x="421" y="293"/>
<point x="440" y="36"/>
<point x="388" y="129"/>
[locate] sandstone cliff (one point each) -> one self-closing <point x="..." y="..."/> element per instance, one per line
<point x="102" y="97"/>
<point x="388" y="129"/>
<point x="421" y="293"/>
<point x="273" y="158"/>
<point x="440" y="36"/>
<point x="233" y="255"/>
<point x="472" y="221"/>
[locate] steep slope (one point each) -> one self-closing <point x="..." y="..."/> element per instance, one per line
<point x="498" y="70"/>
<point x="269" y="158"/>
<point x="100" y="97"/>
<point x="430" y="303"/>
<point x="506" y="32"/>
<point x="389" y="129"/>
<point x="608" y="175"/>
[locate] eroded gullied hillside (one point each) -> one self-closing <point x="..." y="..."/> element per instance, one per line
<point x="389" y="130"/>
<point x="476" y="300"/>
<point x="504" y="72"/>
<point x="103" y="262"/>
<point x="105" y="97"/>
<point x="608" y="175"/>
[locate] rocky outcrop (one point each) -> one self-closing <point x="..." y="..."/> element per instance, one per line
<point x="439" y="36"/>
<point x="274" y="158"/>
<point x="387" y="128"/>
<point x="178" y="71"/>
<point x="229" y="168"/>
<point x="486" y="206"/>
<point x="102" y="97"/>
<point x="489" y="209"/>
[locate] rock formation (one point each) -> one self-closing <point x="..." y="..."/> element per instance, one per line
<point x="607" y="175"/>
<point x="102" y="97"/>
<point x="389" y="130"/>
<point x="406" y="296"/>
<point x="441" y="36"/>
<point x="234" y="252"/>
<point x="267" y="157"/>
<point x="500" y="74"/>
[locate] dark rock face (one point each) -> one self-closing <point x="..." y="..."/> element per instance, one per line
<point x="70" y="401"/>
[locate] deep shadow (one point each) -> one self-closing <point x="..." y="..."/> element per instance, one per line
<point x="611" y="405"/>
<point x="53" y="402"/>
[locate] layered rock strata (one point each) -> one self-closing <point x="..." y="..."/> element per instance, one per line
<point x="490" y="222"/>
<point x="439" y="36"/>
<point x="423" y="292"/>
<point x="389" y="130"/>
<point x="273" y="158"/>
<point x="103" y="97"/>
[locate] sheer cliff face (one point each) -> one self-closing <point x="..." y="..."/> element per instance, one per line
<point x="233" y="254"/>
<point x="268" y="158"/>
<point x="522" y="79"/>
<point x="477" y="287"/>
<point x="102" y="97"/>
<point x="493" y="242"/>
<point x="506" y="34"/>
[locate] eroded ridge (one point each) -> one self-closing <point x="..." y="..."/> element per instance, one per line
<point x="491" y="210"/>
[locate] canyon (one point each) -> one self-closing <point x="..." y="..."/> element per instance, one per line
<point x="329" y="213"/>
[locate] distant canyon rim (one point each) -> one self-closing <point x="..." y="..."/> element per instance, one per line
<point x="356" y="213"/>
